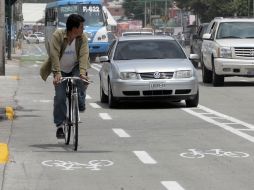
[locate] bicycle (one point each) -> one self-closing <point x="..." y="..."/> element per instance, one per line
<point x="72" y="114"/>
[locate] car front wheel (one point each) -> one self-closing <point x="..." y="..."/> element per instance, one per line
<point x="206" y="74"/>
<point x="103" y="96"/>
<point x="218" y="80"/>
<point x="193" y="102"/>
<point x="112" y="102"/>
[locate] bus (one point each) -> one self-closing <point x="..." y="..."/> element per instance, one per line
<point x="95" y="26"/>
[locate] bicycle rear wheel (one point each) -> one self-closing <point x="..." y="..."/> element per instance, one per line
<point x="75" y="121"/>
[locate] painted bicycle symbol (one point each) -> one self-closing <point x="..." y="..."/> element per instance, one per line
<point x="68" y="165"/>
<point x="194" y="153"/>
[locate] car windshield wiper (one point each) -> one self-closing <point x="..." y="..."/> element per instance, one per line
<point x="152" y="58"/>
<point x="230" y="37"/>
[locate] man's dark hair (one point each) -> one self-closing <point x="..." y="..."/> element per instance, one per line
<point x="73" y="21"/>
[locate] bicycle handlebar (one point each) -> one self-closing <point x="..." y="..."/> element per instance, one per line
<point x="76" y="78"/>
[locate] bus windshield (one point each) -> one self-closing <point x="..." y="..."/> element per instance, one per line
<point x="91" y="12"/>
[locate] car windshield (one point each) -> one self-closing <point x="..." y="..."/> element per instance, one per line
<point x="148" y="49"/>
<point x="236" y="30"/>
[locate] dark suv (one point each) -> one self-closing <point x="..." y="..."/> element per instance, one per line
<point x="196" y="42"/>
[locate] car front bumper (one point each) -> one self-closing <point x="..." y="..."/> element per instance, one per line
<point x="234" y="67"/>
<point x="174" y="89"/>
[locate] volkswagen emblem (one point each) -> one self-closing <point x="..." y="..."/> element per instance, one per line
<point x="156" y="75"/>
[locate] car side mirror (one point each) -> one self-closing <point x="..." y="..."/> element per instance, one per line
<point x="194" y="57"/>
<point x="104" y="59"/>
<point x="207" y="36"/>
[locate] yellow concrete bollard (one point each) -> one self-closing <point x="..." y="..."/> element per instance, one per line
<point x="9" y="112"/>
<point x="4" y="153"/>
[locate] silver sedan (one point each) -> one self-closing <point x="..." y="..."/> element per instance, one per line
<point x="148" y="67"/>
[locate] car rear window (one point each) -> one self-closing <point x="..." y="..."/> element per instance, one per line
<point x="148" y="49"/>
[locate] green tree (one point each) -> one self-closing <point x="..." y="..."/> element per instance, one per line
<point x="208" y="9"/>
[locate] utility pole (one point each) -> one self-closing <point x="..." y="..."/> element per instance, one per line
<point x="9" y="21"/>
<point x="2" y="37"/>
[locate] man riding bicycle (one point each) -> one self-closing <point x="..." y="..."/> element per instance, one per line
<point x="68" y="55"/>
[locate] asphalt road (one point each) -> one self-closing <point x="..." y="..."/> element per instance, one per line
<point x="138" y="146"/>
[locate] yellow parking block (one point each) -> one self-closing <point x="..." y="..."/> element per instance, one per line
<point x="4" y="153"/>
<point x="15" y="77"/>
<point x="9" y="112"/>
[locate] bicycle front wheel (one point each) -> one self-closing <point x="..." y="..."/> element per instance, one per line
<point x="75" y="121"/>
<point x="67" y="125"/>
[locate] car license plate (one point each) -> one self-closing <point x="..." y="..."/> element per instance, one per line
<point x="157" y="85"/>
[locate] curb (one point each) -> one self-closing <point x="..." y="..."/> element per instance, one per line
<point x="4" y="153"/>
<point x="6" y="113"/>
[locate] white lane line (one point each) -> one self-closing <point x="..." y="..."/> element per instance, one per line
<point x="121" y="133"/>
<point x="172" y="185"/>
<point x="43" y="101"/>
<point x="144" y="157"/>
<point x="96" y="68"/>
<point x="88" y="97"/>
<point x="94" y="105"/>
<point x="105" y="116"/>
<point x="222" y="125"/>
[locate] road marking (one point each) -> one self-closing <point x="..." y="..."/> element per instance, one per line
<point x="95" y="67"/>
<point x="4" y="153"/>
<point x="221" y="124"/>
<point x="105" y="116"/>
<point x="68" y="165"/>
<point x="94" y="105"/>
<point x="172" y="185"/>
<point x="144" y="157"/>
<point x="88" y="97"/>
<point x="43" y="101"/>
<point x="121" y="133"/>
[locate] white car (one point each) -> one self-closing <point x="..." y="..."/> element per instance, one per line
<point x="35" y="38"/>
<point x="227" y="49"/>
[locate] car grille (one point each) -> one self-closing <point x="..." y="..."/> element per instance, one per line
<point x="244" y="51"/>
<point x="150" y="75"/>
<point x="156" y="92"/>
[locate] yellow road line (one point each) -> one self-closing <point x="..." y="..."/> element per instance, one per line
<point x="4" y="153"/>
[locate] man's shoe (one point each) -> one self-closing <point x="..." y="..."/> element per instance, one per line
<point x="82" y="108"/>
<point x="59" y="132"/>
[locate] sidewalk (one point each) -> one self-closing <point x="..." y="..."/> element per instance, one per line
<point x="8" y="88"/>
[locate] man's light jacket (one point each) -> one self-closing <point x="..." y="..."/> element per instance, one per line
<point x="56" y="49"/>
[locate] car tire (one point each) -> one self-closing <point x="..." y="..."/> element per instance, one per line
<point x="218" y="80"/>
<point x="112" y="102"/>
<point x="206" y="74"/>
<point x="194" y="63"/>
<point x="193" y="102"/>
<point x="103" y="96"/>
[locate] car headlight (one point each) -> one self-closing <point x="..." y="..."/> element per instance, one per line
<point x="183" y="74"/>
<point x="128" y="76"/>
<point x="225" y="52"/>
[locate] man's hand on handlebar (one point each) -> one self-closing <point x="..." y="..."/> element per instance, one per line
<point x="57" y="79"/>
